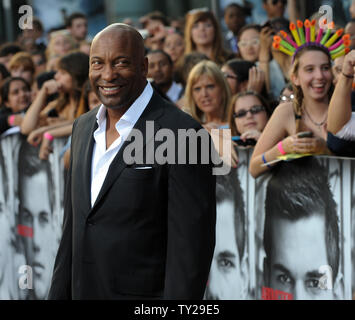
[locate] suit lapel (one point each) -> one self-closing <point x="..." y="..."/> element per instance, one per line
<point x="86" y="155"/>
<point x="152" y="112"/>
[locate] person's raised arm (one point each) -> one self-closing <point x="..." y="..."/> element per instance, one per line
<point x="267" y="149"/>
<point x="31" y="117"/>
<point x="264" y="54"/>
<point x="339" y="112"/>
<point x="293" y="11"/>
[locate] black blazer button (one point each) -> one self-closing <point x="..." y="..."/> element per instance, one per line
<point x="90" y="223"/>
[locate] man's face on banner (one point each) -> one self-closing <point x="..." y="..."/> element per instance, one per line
<point x="228" y="275"/>
<point x="298" y="251"/>
<point x="36" y="214"/>
<point x="4" y="233"/>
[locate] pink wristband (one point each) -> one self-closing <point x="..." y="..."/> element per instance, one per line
<point x="281" y="149"/>
<point x="48" y="136"/>
<point x="12" y="120"/>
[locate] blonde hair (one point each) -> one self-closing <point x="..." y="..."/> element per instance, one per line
<point x="209" y="68"/>
<point x="50" y="54"/>
<point x="22" y="59"/>
<point x="297" y="90"/>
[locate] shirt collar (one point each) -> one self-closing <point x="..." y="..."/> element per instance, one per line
<point x="134" y="111"/>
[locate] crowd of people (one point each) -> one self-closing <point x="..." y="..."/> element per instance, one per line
<point x="235" y="80"/>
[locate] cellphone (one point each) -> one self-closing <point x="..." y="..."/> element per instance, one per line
<point x="305" y="134"/>
<point x="247" y="142"/>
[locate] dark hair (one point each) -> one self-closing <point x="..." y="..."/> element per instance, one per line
<point x="37" y="24"/>
<point x="73" y="16"/>
<point x="246" y="9"/>
<point x="158" y="16"/>
<point x="9" y="48"/>
<point x="284" y="1"/>
<point x="77" y="65"/>
<point x="84" y="99"/>
<point x="163" y="53"/>
<point x="41" y="53"/>
<point x="250" y="26"/>
<point x="234" y="99"/>
<point x="4" y="72"/>
<point x="240" y="68"/>
<point x="29" y="164"/>
<point x="287" y="86"/>
<point x="228" y="188"/>
<point x="5" y="88"/>
<point x="43" y="77"/>
<point x="188" y="62"/>
<point x="299" y="190"/>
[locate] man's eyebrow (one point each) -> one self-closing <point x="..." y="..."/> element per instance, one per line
<point x="314" y="274"/>
<point x="27" y="211"/>
<point x="282" y="268"/>
<point x="226" y="254"/>
<point x="118" y="57"/>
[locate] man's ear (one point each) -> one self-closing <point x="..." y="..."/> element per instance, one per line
<point x="338" y="287"/>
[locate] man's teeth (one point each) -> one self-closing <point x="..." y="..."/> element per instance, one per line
<point x="110" y="89"/>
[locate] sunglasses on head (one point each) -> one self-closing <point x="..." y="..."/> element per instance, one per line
<point x="253" y="110"/>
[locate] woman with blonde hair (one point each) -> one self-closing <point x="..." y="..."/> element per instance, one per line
<point x="203" y="34"/>
<point x="60" y="44"/>
<point x="207" y="94"/>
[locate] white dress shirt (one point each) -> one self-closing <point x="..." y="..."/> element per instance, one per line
<point x="348" y="131"/>
<point x="102" y="158"/>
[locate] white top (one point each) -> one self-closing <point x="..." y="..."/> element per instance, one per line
<point x="102" y="158"/>
<point x="348" y="131"/>
<point x="174" y="92"/>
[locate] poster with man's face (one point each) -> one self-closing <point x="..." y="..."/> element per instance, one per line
<point x="299" y="232"/>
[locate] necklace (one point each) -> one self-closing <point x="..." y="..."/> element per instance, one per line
<point x="318" y="124"/>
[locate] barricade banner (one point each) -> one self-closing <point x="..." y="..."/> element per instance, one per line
<point x="286" y="235"/>
<point x="31" y="215"/>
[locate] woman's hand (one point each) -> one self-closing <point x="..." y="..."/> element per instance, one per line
<point x="256" y="79"/>
<point x="265" y="44"/>
<point x="45" y="149"/>
<point x="251" y="134"/>
<point x="35" y="137"/>
<point x="314" y="145"/>
<point x="220" y="138"/>
<point x="51" y="87"/>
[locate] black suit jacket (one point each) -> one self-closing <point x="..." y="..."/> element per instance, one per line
<point x="150" y="233"/>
